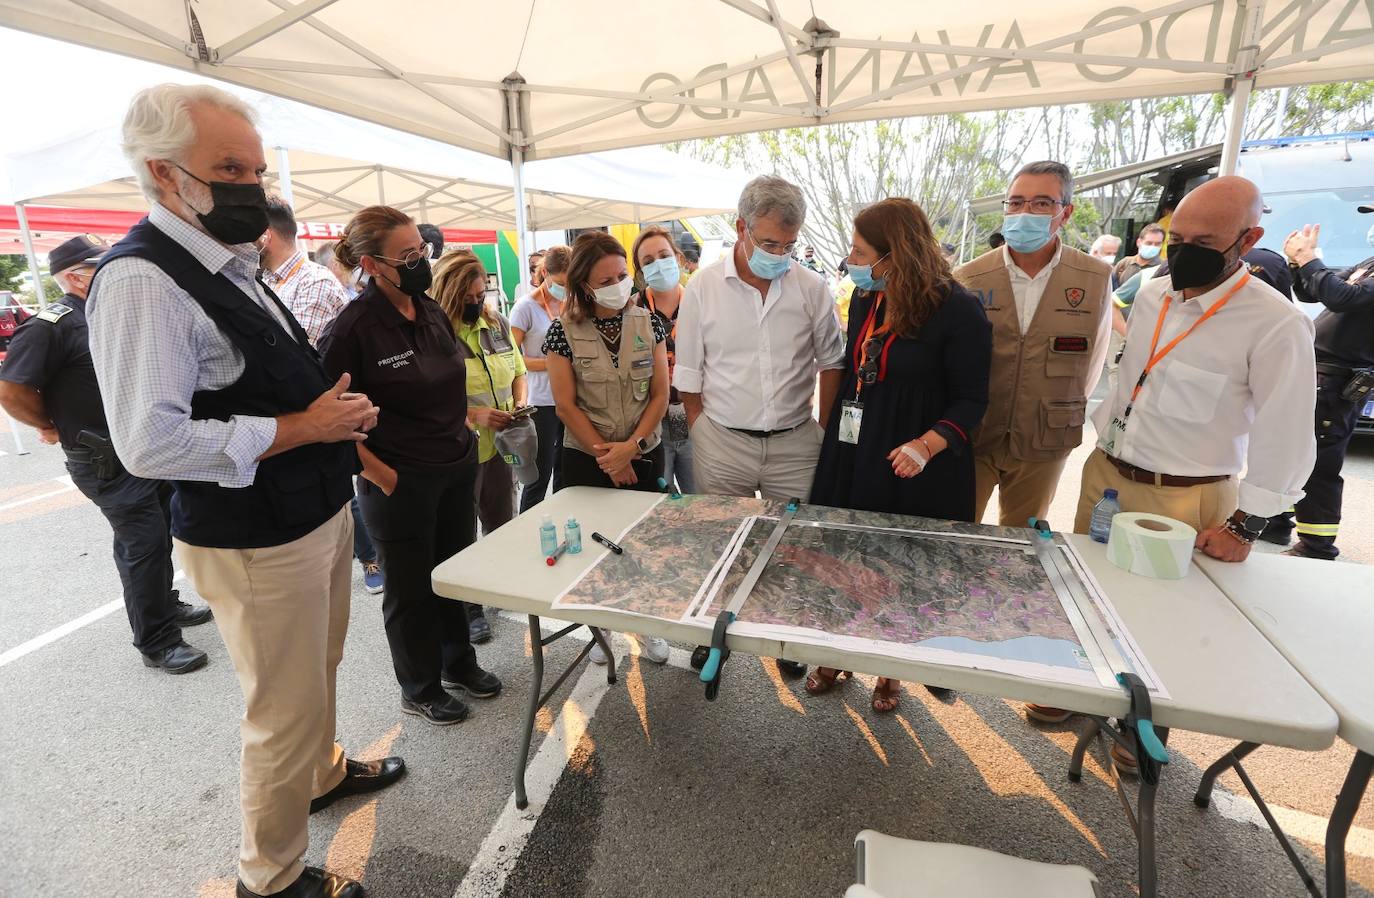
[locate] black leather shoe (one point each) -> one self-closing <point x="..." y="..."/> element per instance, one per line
<point x="179" y="659"/>
<point x="479" y="631"/>
<point x="477" y="683"/>
<point x="699" y="656"/>
<point x="189" y="615"/>
<point x="791" y="669"/>
<point x="1277" y="536"/>
<point x="441" y="712"/>
<point x="312" y="883"/>
<point x="360" y="777"/>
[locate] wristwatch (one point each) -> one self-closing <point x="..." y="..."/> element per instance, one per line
<point x="642" y="444"/>
<point x="1246" y="526"/>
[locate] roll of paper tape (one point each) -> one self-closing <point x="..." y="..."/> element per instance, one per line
<point x="1151" y="545"/>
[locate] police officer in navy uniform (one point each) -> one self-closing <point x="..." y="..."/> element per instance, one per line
<point x="1345" y="371"/>
<point x="48" y="382"/>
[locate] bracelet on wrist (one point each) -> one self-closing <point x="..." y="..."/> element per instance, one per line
<point x="1240" y="533"/>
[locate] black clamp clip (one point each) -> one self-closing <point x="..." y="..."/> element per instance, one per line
<point x="1139" y="730"/>
<point x="720" y="653"/>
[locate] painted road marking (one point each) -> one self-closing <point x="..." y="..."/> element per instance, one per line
<point x="67" y="487"/>
<point x="69" y="627"/>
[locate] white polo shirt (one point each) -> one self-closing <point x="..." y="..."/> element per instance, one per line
<point x="754" y="358"/>
<point x="1237" y="393"/>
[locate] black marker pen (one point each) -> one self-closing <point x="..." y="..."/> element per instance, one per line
<point x="608" y="544"/>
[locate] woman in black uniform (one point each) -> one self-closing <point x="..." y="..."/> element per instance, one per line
<point x="419" y="462"/>
<point x="915" y="386"/>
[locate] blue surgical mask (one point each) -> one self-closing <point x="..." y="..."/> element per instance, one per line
<point x="1027" y="232"/>
<point x="862" y="276"/>
<point x="768" y="266"/>
<point x="663" y="274"/>
<point x="559" y="292"/>
<point x="1149" y="252"/>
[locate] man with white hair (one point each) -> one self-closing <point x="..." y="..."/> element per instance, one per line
<point x="49" y="382"/>
<point x="210" y="383"/>
<point x="1105" y="247"/>
<point x="753" y="330"/>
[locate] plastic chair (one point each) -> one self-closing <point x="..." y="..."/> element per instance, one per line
<point x="889" y="867"/>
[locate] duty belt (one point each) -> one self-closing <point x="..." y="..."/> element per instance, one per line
<point x="1334" y="370"/>
<point x="1140" y="475"/>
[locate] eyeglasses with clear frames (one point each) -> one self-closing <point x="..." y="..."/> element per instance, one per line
<point x="1040" y="205"/>
<point x="772" y="246"/>
<point x="412" y="258"/>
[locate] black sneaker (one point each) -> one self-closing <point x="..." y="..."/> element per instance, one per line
<point x="441" y="712"/>
<point x="699" y="656"/>
<point x="479" y="631"/>
<point x="177" y="659"/>
<point x="793" y="669"/>
<point x="476" y="683"/>
<point x="189" y="615"/>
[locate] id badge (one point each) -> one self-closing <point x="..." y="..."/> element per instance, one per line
<point x="851" y="420"/>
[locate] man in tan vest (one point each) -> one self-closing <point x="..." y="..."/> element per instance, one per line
<point x="1050" y="311"/>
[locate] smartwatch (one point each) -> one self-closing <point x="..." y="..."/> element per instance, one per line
<point x="1247" y="526"/>
<point x="643" y="445"/>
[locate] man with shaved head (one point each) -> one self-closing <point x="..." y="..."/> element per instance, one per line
<point x="1190" y="410"/>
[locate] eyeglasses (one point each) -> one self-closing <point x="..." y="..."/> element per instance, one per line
<point x="1040" y="205"/>
<point x="412" y="258"/>
<point x="772" y="246"/>
<point x="868" y="371"/>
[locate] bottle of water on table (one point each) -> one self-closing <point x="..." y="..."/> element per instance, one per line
<point x="548" y="537"/>
<point x="1106" y="508"/>
<point x="572" y="533"/>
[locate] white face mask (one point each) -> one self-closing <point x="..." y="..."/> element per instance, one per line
<point x="614" y="296"/>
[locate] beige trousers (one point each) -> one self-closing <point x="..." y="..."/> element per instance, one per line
<point x="726" y="463"/>
<point x="283" y="613"/>
<point x="1200" y="507"/>
<point x="1025" y="489"/>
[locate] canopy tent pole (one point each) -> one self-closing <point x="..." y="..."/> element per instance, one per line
<point x="1243" y="61"/>
<point x="40" y="296"/>
<point x="284" y="186"/>
<point x="515" y="124"/>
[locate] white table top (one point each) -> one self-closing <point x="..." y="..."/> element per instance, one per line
<point x="1320" y="615"/>
<point x="1224" y="677"/>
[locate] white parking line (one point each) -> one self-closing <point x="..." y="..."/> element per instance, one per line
<point x="67" y="487"/>
<point x="1310" y="828"/>
<point x="70" y="626"/>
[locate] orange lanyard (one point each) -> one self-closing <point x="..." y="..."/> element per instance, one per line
<point x="649" y="295"/>
<point x="1156" y="357"/>
<point x="540" y="296"/>
<point x="292" y="273"/>
<point x="861" y="350"/>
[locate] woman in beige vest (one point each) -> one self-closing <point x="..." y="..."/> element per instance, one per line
<point x="608" y="368"/>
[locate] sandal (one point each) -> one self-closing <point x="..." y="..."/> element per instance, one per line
<point x="822" y="679"/>
<point x="885" y="695"/>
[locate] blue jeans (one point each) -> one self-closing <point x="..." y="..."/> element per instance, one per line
<point x="363" y="550"/>
<point x="677" y="463"/>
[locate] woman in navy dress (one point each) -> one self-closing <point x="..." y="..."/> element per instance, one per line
<point x="915" y="386"/>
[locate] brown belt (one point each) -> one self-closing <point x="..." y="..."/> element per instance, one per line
<point x="1140" y="475"/>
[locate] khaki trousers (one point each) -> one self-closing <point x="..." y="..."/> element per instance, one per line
<point x="1200" y="507"/>
<point x="727" y="463"/>
<point x="1024" y="488"/>
<point x="283" y="613"/>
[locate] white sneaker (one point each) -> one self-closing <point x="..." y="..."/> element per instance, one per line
<point x="598" y="656"/>
<point x="655" y="650"/>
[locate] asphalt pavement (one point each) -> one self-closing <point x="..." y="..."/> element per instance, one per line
<point x="121" y="780"/>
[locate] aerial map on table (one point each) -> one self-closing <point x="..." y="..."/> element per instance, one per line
<point x="949" y="593"/>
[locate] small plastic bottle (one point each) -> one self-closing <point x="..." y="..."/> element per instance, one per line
<point x="572" y="533"/>
<point x="548" y="537"/>
<point x="1106" y="508"/>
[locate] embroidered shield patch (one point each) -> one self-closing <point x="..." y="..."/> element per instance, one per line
<point x="1074" y="296"/>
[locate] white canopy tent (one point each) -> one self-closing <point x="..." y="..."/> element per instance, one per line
<point x="331" y="166"/>
<point x="525" y="80"/>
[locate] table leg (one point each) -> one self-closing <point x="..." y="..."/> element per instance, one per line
<point x="1146" y="862"/>
<point x="601" y="640"/>
<point x="522" y="756"/>
<point x="1203" y="797"/>
<point x="1084" y="739"/>
<point x="1347" y="803"/>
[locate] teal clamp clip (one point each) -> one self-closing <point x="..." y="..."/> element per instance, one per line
<point x="1041" y="527"/>
<point x="1150" y="752"/>
<point x="671" y="491"/>
<point x="720" y="652"/>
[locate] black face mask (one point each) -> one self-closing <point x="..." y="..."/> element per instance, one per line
<point x="1192" y="266"/>
<point x="471" y="312"/>
<point x="238" y="213"/>
<point x="413" y="281"/>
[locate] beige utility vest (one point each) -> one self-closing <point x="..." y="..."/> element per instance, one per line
<point x="613" y="398"/>
<point x="1037" y="383"/>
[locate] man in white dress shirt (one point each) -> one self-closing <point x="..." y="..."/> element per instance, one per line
<point x="1217" y="375"/>
<point x="753" y="330"/>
